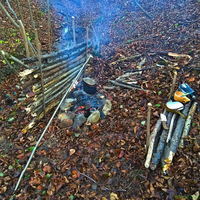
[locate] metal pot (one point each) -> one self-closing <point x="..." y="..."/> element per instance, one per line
<point x="89" y="85"/>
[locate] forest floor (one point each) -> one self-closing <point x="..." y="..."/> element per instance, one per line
<point x="112" y="152"/>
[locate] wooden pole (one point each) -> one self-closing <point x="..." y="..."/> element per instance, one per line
<point x="149" y="105"/>
<point x="19" y="10"/>
<point x="86" y="42"/>
<point x="173" y="85"/>
<point x="73" y="28"/>
<point x="40" y="64"/>
<point x="29" y="6"/>
<point x="23" y="33"/>
<point x="49" y="26"/>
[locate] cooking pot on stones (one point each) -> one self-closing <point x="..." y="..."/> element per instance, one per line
<point x="89" y="85"/>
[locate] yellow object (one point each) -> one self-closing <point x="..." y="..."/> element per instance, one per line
<point x="181" y="97"/>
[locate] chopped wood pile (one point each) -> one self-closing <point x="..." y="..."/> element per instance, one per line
<point x="163" y="142"/>
<point x="59" y="70"/>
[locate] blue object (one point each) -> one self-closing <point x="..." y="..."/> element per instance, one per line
<point x="186" y="89"/>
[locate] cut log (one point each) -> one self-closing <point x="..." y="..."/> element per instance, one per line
<point x="161" y="144"/>
<point x="152" y="140"/>
<point x="188" y="124"/>
<point x="171" y="148"/>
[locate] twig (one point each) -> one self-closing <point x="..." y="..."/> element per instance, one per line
<point x="124" y="59"/>
<point x="149" y="105"/>
<point x="126" y="86"/>
<point x="143" y="10"/>
<point x="49" y="124"/>
<point x="173" y="85"/>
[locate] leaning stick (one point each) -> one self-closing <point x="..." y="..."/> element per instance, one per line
<point x="23" y="33"/>
<point x="188" y="124"/>
<point x="29" y="160"/>
<point x="19" y="10"/>
<point x="152" y="140"/>
<point x="173" y="85"/>
<point x="149" y="105"/>
<point x="8" y="15"/>
<point x="49" y="26"/>
<point x="41" y="72"/>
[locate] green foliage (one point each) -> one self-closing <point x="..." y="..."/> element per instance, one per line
<point x="176" y="25"/>
<point x="40" y="13"/>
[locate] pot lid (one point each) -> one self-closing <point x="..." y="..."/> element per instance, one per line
<point x="175" y="105"/>
<point x="89" y="81"/>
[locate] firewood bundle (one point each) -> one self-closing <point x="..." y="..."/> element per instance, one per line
<point x="59" y="70"/>
<point x="161" y="149"/>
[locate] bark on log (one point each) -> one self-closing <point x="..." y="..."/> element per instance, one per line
<point x="171" y="148"/>
<point x="188" y="124"/>
<point x="57" y="54"/>
<point x="152" y="140"/>
<point x="173" y="85"/>
<point x="161" y="144"/>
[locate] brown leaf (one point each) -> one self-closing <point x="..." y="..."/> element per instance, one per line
<point x="21" y="156"/>
<point x="75" y="174"/>
<point x="118" y="164"/>
<point x="191" y="79"/>
<point x="72" y="151"/>
<point x="47" y="168"/>
<point x="3" y="190"/>
<point x="121" y="153"/>
<point x="94" y="176"/>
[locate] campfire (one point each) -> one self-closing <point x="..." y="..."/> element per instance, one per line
<point x="84" y="105"/>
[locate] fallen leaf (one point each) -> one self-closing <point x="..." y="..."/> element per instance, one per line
<point x="118" y="164"/>
<point x="113" y="196"/>
<point x="75" y="174"/>
<point x="72" y="151"/>
<point x="47" y="168"/>
<point x="191" y="79"/>
<point x="121" y="153"/>
<point x="3" y="190"/>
